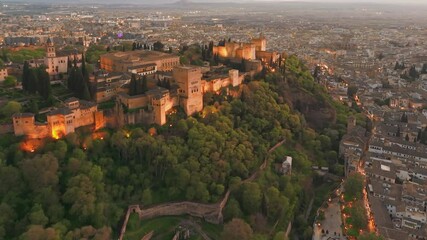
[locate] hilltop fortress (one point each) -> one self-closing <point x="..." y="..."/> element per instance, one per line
<point x="187" y="85"/>
<point x="254" y="52"/>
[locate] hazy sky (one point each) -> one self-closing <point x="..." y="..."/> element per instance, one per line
<point x="342" y="1"/>
<point x="424" y="2"/>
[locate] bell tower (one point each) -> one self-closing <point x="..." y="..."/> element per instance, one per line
<point x="50" y="49"/>
<point x="351" y="123"/>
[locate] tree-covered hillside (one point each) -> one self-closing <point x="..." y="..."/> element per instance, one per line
<point x="79" y="187"/>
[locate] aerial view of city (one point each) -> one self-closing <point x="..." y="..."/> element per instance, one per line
<point x="213" y="119"/>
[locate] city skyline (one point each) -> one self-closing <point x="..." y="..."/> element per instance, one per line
<point x="159" y="2"/>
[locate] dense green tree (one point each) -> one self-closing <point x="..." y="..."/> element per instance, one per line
<point x="37" y="216"/>
<point x="352" y="91"/>
<point x="71" y="81"/>
<point x="10" y="81"/>
<point x="34" y="107"/>
<point x="33" y="81"/>
<point x="353" y="187"/>
<point x="232" y="209"/>
<point x="237" y="229"/>
<point x="251" y="197"/>
<point x="81" y="196"/>
<point x="10" y="108"/>
<point x="369" y="236"/>
<point x="37" y="232"/>
<point x="86" y="93"/>
<point x="280" y="236"/>
<point x="146" y="197"/>
<point x="82" y="192"/>
<point x="43" y="83"/>
<point x="41" y="171"/>
<point x="158" y="46"/>
<point x="275" y="203"/>
<point x="358" y="217"/>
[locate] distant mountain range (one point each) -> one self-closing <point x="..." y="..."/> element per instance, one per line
<point x="160" y="2"/>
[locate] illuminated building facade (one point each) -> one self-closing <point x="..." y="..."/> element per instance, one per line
<point x="137" y="60"/>
<point x="60" y="122"/>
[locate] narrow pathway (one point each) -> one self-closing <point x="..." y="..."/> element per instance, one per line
<point x="205" y="211"/>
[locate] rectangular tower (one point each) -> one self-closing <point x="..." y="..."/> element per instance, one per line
<point x="189" y="80"/>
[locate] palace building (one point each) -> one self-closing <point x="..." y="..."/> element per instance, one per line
<point x="139" y="61"/>
<point x="186" y="86"/>
<point x="187" y="90"/>
<point x="74" y="114"/>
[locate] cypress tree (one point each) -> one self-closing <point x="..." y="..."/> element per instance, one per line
<point x="71" y="79"/>
<point x="86" y="75"/>
<point x="203" y="54"/>
<point x="25" y="75"/>
<point x="32" y="81"/>
<point x="316" y="72"/>
<point x="85" y="93"/>
<point x="69" y="65"/>
<point x="84" y="70"/>
<point x="413" y="73"/>
<point x="423" y="138"/>
<point x="34" y="108"/>
<point x="133" y="85"/>
<point x="48" y="89"/>
<point x="5" y="56"/>
<point x="404" y="118"/>
<point x="396" y="66"/>
<point x="138" y="86"/>
<point x="424" y="69"/>
<point x="168" y="84"/>
<point x="43" y="82"/>
<point x="210" y="52"/>
<point x="80" y="84"/>
<point x="144" y="84"/>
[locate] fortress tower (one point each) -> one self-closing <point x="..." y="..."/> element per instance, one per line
<point x="50" y="49"/>
<point x="23" y="123"/>
<point x="234" y="77"/>
<point x="189" y="80"/>
<point x="159" y="105"/>
<point x="260" y="43"/>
